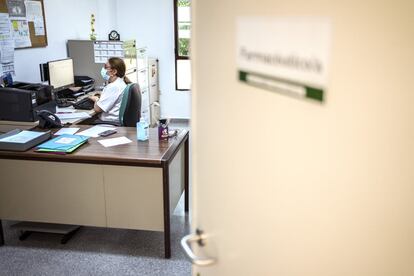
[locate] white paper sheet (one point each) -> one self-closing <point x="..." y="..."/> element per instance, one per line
<point x="74" y="115"/>
<point x="69" y="109"/>
<point x="33" y="10"/>
<point x="21" y="33"/>
<point x="5" y="28"/>
<point x="8" y="68"/>
<point x="34" y="14"/>
<point x="94" y="131"/>
<point x="6" y="45"/>
<point x="114" y="141"/>
<point x="7" y="51"/>
<point x="67" y="130"/>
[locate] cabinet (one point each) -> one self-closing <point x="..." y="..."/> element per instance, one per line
<point x="148" y="82"/>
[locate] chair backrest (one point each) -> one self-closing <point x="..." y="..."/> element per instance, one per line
<point x="130" y="110"/>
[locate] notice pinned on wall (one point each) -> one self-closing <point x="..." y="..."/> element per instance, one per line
<point x="21" y="33"/>
<point x="6" y="45"/>
<point x="34" y="14"/>
<point x="17" y="8"/>
<point x="285" y="55"/>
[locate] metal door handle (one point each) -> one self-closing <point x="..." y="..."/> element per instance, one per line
<point x="198" y="237"/>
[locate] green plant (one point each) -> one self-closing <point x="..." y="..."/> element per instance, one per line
<point x="183" y="3"/>
<point x="93" y="34"/>
<point x="183" y="46"/>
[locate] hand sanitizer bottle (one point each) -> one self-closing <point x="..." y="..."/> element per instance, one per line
<point x="142" y="130"/>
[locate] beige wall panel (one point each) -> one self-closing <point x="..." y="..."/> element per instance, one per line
<point x="176" y="172"/>
<point x="52" y="192"/>
<point x="311" y="189"/>
<point x="134" y="197"/>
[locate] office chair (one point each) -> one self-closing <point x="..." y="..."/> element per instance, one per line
<point x="130" y="110"/>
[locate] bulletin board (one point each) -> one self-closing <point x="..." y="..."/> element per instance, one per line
<point x="27" y="20"/>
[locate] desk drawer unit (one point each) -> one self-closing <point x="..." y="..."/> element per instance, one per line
<point x="52" y="192"/>
<point x="87" y="194"/>
<point x="134" y="197"/>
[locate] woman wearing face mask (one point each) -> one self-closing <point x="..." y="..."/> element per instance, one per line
<point x="109" y="102"/>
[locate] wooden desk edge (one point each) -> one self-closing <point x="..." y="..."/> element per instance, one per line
<point x="158" y="163"/>
<point x="175" y="147"/>
<point x="82" y="160"/>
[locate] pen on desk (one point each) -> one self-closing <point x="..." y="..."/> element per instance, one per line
<point x="64" y="112"/>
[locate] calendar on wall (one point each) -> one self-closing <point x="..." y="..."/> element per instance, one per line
<point x="106" y="49"/>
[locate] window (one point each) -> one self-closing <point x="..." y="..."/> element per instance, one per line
<point x="182" y="24"/>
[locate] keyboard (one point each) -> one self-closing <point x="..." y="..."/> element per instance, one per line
<point x="85" y="104"/>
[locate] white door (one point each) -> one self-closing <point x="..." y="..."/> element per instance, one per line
<point x="285" y="186"/>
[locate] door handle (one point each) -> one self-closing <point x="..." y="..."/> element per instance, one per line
<point x="198" y="238"/>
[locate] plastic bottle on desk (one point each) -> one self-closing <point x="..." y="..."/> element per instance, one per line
<point x="163" y="129"/>
<point x="142" y="130"/>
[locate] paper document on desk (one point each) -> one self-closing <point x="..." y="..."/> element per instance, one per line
<point x="114" y="141"/>
<point x="69" y="109"/>
<point x="74" y="115"/>
<point x="67" y="130"/>
<point x="94" y="131"/>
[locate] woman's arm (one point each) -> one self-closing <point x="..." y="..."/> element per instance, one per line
<point x="95" y="99"/>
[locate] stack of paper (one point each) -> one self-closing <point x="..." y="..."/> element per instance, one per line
<point x="74" y="115"/>
<point x="63" y="144"/>
<point x="67" y="130"/>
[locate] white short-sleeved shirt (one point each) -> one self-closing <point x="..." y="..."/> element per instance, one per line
<point x="110" y="100"/>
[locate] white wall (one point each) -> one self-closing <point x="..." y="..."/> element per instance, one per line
<point x="151" y="23"/>
<point x="64" y="20"/>
<point x="106" y="18"/>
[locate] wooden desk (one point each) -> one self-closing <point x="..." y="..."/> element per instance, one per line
<point x="132" y="186"/>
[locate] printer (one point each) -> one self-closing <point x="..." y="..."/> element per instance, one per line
<point x="21" y="101"/>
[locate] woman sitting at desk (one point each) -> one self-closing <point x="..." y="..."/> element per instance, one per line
<point x="109" y="102"/>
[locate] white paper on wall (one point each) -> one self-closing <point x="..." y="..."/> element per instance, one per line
<point x="21" y="33"/>
<point x="6" y="45"/>
<point x="34" y="14"/>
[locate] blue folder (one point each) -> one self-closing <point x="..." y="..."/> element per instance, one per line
<point x="63" y="143"/>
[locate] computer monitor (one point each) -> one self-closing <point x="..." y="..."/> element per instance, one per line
<point x="61" y="74"/>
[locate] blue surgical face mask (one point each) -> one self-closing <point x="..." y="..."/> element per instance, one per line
<point x="104" y="74"/>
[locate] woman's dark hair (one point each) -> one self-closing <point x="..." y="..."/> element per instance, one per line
<point x="119" y="65"/>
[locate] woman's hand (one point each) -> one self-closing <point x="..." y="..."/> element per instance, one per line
<point x="95" y="99"/>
